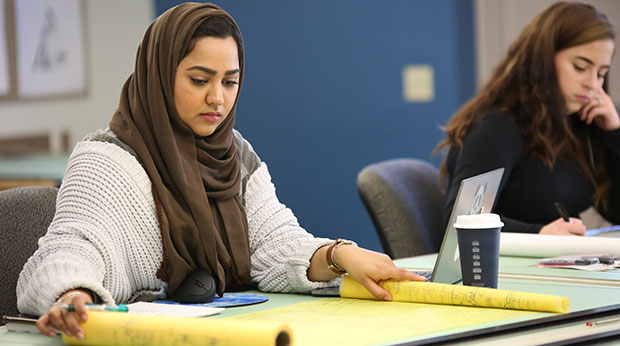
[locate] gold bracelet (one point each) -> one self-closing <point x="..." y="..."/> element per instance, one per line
<point x="329" y="256"/>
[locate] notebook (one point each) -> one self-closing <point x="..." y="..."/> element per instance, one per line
<point x="476" y="195"/>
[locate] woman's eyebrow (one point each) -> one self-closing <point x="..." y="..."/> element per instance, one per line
<point x="588" y="61"/>
<point x="212" y="72"/>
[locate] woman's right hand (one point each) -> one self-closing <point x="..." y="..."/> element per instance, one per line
<point x="66" y="321"/>
<point x="561" y="227"/>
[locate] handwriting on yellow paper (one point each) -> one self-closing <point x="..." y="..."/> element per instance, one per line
<point x="367" y="322"/>
<point x="435" y="293"/>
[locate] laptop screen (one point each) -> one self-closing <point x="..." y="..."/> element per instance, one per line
<point x="476" y="195"/>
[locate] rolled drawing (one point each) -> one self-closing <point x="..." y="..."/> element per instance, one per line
<point x="546" y="245"/>
<point x="436" y="293"/>
<point x="115" y="328"/>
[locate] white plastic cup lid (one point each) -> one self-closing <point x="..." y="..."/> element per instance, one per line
<point x="478" y="221"/>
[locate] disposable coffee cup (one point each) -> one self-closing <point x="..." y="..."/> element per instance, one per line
<point x="478" y="237"/>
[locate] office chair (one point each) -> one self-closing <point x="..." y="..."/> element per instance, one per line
<point x="404" y="199"/>
<point x="25" y="214"/>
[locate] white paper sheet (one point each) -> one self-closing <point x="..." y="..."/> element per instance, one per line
<point x="542" y="245"/>
<point x="176" y="310"/>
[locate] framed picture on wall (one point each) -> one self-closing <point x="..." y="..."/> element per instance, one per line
<point x="5" y="80"/>
<point x="49" y="42"/>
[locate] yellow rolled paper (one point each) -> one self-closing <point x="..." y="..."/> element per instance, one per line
<point x="118" y="328"/>
<point x="436" y="293"/>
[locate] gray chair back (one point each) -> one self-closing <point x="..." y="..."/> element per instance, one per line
<point x="404" y="198"/>
<point x="25" y="214"/>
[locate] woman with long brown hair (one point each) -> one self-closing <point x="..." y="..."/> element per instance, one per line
<point x="546" y="117"/>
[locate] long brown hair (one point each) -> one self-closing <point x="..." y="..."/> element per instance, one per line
<point x="525" y="84"/>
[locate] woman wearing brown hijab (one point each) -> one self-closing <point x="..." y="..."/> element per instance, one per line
<point x="170" y="187"/>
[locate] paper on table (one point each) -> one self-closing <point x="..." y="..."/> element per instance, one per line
<point x="117" y="328"/>
<point x="602" y="231"/>
<point x="177" y="310"/>
<point x="22" y="324"/>
<point x="544" y="245"/>
<point x="436" y="293"/>
<point x="372" y="322"/>
<point x="589" y="268"/>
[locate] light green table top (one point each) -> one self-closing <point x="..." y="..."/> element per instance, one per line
<point x="36" y="166"/>
<point x="511" y="267"/>
<point x="583" y="297"/>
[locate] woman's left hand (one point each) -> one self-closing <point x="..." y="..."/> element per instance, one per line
<point x="369" y="267"/>
<point x="602" y="111"/>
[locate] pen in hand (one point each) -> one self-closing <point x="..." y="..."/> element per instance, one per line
<point x="562" y="211"/>
<point x="98" y="307"/>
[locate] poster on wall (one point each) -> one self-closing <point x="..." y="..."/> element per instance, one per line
<point x="50" y="48"/>
<point x="5" y="81"/>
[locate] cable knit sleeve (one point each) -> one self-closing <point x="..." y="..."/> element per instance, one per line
<point x="104" y="236"/>
<point x="281" y="249"/>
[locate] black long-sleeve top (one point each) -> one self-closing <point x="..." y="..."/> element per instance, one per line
<point x="529" y="187"/>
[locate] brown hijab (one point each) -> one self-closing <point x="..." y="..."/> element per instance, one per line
<point x="195" y="179"/>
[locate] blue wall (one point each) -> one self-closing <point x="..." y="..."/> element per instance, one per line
<point x="322" y="95"/>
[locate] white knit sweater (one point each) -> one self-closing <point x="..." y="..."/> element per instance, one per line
<point x="105" y="235"/>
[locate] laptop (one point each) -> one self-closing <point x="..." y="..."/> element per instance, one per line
<point x="476" y="195"/>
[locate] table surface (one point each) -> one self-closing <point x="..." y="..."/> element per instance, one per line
<point x="35" y="166"/>
<point x="583" y="296"/>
